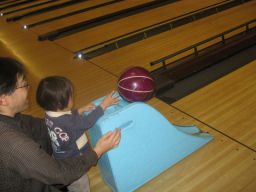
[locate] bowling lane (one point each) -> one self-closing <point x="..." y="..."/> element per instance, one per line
<point x="87" y="15"/>
<point x="4" y="52"/>
<point x="228" y="104"/>
<point x="220" y="165"/>
<point x="21" y="6"/>
<point x="6" y="2"/>
<point x="46" y="58"/>
<point x="126" y="25"/>
<point x="143" y="52"/>
<point x="34" y="8"/>
<point x="13" y="4"/>
<point x="60" y="11"/>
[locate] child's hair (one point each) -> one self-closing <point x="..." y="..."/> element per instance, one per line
<point x="53" y="93"/>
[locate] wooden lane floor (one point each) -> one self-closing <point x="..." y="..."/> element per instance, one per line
<point x="59" y="12"/>
<point x="129" y="24"/>
<point x="6" y="2"/>
<point x="13" y="4"/>
<point x="45" y="58"/>
<point x="229" y="104"/>
<point x="220" y="165"/>
<point x="148" y="50"/>
<point x="87" y="15"/>
<point x="30" y="9"/>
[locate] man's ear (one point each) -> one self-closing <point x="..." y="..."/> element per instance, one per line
<point x="3" y="100"/>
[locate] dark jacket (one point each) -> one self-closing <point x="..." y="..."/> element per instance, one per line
<point x="26" y="164"/>
<point x="70" y="128"/>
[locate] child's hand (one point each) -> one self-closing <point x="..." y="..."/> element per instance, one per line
<point x="86" y="108"/>
<point x="109" y="100"/>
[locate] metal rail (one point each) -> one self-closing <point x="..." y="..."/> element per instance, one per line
<point x="195" y="46"/>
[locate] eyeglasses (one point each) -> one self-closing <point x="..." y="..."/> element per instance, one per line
<point x="26" y="85"/>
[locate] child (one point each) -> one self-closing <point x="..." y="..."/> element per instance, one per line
<point x="67" y="127"/>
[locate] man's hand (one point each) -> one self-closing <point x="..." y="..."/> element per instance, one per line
<point x="108" y="141"/>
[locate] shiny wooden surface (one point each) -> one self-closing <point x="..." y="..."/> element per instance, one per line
<point x="156" y="47"/>
<point x="59" y="12"/>
<point x="13" y="5"/>
<point x="126" y="25"/>
<point x="225" y="108"/>
<point x="89" y="15"/>
<point x="228" y="104"/>
<point x="27" y="10"/>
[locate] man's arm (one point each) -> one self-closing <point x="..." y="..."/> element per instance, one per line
<point x="29" y="160"/>
<point x="24" y="156"/>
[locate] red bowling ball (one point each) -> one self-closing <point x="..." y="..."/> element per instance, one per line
<point x="136" y="84"/>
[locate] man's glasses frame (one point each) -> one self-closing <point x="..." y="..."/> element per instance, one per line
<point x="26" y="85"/>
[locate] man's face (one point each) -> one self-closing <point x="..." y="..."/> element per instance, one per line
<point x="18" y="100"/>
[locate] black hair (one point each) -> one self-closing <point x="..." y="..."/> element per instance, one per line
<point x="10" y="70"/>
<point x="54" y="92"/>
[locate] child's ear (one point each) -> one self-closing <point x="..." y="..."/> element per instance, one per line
<point x="3" y="100"/>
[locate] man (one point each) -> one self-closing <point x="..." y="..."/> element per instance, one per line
<point x="26" y="163"/>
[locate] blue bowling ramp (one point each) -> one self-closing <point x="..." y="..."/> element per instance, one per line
<point x="149" y="145"/>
